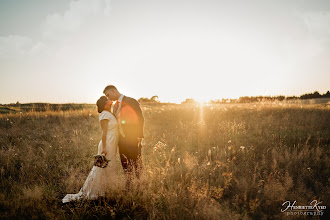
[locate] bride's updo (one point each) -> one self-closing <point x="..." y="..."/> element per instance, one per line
<point x="101" y="103"/>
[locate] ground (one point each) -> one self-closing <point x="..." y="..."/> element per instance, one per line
<point x="240" y="161"/>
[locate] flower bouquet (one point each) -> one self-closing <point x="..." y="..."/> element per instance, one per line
<point x="100" y="161"/>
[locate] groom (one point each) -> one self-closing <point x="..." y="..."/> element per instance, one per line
<point x="131" y="122"/>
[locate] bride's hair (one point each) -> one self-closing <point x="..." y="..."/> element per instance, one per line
<point x="101" y="103"/>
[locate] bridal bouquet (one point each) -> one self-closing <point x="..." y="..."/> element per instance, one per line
<point x="100" y="161"/>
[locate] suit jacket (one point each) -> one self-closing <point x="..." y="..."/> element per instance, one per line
<point x="131" y="119"/>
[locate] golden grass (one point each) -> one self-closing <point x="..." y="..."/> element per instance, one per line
<point x="200" y="162"/>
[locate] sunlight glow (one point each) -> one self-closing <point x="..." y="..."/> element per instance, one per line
<point x="204" y="51"/>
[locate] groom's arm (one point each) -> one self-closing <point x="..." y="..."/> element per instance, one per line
<point x="136" y="106"/>
<point x="141" y="118"/>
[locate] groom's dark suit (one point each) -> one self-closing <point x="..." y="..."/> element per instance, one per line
<point x="131" y="122"/>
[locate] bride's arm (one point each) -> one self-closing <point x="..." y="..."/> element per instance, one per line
<point x="104" y="126"/>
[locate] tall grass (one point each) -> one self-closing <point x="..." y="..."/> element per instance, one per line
<point x="211" y="162"/>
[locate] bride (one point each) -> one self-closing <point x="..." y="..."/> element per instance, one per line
<point x="100" y="179"/>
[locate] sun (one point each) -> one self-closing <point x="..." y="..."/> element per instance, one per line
<point x="202" y="100"/>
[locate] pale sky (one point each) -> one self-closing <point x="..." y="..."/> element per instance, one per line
<point x="68" y="51"/>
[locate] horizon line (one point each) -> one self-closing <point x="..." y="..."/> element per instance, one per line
<point x="168" y="102"/>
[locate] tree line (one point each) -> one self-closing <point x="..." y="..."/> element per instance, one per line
<point x="249" y="99"/>
<point x="154" y="99"/>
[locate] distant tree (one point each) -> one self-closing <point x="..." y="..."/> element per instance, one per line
<point x="189" y="101"/>
<point x="326" y="95"/>
<point x="153" y="99"/>
<point x="291" y="97"/>
<point x="142" y="100"/>
<point x="216" y="101"/>
<point x="244" y="99"/>
<point x="314" y="95"/>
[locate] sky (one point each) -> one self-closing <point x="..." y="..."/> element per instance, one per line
<point x="67" y="51"/>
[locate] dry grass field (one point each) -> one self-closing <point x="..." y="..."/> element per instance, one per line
<point x="200" y="162"/>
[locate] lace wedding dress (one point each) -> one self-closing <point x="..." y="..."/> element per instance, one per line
<point x="99" y="179"/>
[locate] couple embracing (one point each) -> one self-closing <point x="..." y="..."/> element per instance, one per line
<point x="122" y="122"/>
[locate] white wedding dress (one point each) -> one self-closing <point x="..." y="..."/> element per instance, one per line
<point x="100" y="180"/>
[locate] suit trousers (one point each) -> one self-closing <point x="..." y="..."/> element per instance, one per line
<point x="130" y="155"/>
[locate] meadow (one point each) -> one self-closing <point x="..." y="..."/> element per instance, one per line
<point x="239" y="161"/>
